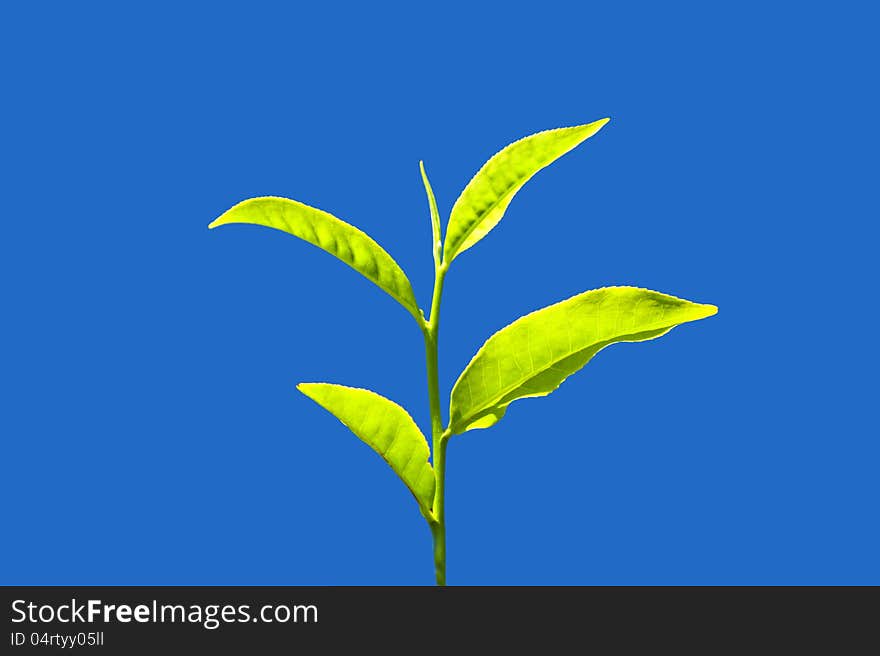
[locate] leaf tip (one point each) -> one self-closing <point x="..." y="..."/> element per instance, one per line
<point x="708" y="310"/>
<point x="224" y="218"/>
<point x="305" y="388"/>
<point x="595" y="126"/>
<point x="592" y="127"/>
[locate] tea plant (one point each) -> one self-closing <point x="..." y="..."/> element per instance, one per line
<point x="530" y="357"/>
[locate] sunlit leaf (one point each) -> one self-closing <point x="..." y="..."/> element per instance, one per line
<point x="435" y="214"/>
<point x="533" y="355"/>
<point x="484" y="200"/>
<point x="386" y="427"/>
<point x="352" y="246"/>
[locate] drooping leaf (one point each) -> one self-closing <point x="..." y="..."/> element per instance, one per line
<point x="352" y="246"/>
<point x="386" y="427"/>
<point x="484" y="200"/>
<point x="533" y="355"/>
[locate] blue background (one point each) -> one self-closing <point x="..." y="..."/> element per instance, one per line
<point x="151" y="433"/>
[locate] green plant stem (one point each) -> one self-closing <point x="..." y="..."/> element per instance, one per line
<point x="438" y="528"/>
<point x="430" y="329"/>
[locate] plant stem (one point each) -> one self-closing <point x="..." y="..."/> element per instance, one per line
<point x="438" y="437"/>
<point x="438" y="529"/>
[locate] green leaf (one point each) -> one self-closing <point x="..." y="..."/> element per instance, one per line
<point x="485" y="198"/>
<point x="325" y="231"/>
<point x="533" y="355"/>
<point x="387" y="428"/>
<point x="435" y="214"/>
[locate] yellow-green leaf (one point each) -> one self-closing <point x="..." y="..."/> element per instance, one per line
<point x="533" y="355"/>
<point x="387" y="428"/>
<point x="484" y="200"/>
<point x="435" y="215"/>
<point x="352" y="246"/>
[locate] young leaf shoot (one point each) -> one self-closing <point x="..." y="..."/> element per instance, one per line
<point x="530" y="357"/>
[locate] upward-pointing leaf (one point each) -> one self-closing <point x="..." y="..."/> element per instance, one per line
<point x="534" y="354"/>
<point x="435" y="214"/>
<point x="352" y="246"/>
<point x="484" y="200"/>
<point x="387" y="428"/>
